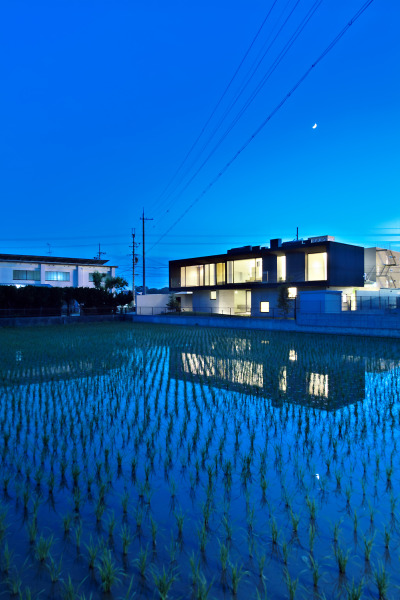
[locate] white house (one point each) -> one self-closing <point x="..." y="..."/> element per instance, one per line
<point x="54" y="271"/>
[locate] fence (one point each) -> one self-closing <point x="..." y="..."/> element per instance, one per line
<point x="227" y="311"/>
<point x="377" y="304"/>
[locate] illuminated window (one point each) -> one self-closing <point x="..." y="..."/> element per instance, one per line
<point x="264" y="307"/>
<point x="281" y="268"/>
<point x="212" y="274"/>
<point x="194" y="276"/>
<point x="213" y="295"/>
<point x="183" y="276"/>
<point x="317" y="266"/>
<point x="26" y="275"/>
<point x="220" y="273"/>
<point x="206" y="274"/>
<point x="57" y="276"/>
<point x="292" y="293"/>
<point x="229" y="271"/>
<point x="247" y="270"/>
<point x="292" y="355"/>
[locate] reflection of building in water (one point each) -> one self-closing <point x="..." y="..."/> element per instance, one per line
<point x="233" y="370"/>
<point x="329" y="381"/>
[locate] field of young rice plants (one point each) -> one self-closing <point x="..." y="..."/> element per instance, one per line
<point x="143" y="461"/>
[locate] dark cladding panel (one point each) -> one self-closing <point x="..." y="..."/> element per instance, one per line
<point x="295" y="267"/>
<point x="174" y="276"/>
<point x="345" y="265"/>
<point x="269" y="268"/>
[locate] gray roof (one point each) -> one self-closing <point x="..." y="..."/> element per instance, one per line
<point x="51" y="259"/>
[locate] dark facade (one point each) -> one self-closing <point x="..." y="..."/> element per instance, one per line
<point x="315" y="263"/>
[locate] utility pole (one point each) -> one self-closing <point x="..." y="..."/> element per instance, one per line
<point x="134" y="261"/>
<point x="99" y="253"/>
<point x="143" y="218"/>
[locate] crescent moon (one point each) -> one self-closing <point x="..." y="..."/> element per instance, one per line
<point x="314" y="126"/>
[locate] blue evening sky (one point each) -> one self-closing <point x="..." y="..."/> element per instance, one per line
<point x="102" y="101"/>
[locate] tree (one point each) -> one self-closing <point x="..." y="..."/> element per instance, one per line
<point x="283" y="302"/>
<point x="174" y="303"/>
<point x="116" y="283"/>
<point x="97" y="279"/>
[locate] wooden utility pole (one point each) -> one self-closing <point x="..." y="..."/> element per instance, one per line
<point x="143" y="218"/>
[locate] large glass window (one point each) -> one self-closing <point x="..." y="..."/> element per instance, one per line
<point x="246" y="270"/>
<point x="194" y="276"/>
<point x="198" y="275"/>
<point x="26" y="275"/>
<point x="317" y="266"/>
<point x="57" y="276"/>
<point x="212" y="274"/>
<point x="220" y="273"/>
<point x="281" y="268"/>
<point x="229" y="271"/>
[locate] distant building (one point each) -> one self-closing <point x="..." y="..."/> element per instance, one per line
<point x="246" y="280"/>
<point x="53" y="271"/>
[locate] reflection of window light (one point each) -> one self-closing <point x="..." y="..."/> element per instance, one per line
<point x="18" y="356"/>
<point x="213" y="295"/>
<point x="292" y="292"/>
<point x="318" y="385"/>
<point x="292" y="355"/>
<point x="237" y="371"/>
<point x="282" y="380"/>
<point x="264" y="307"/>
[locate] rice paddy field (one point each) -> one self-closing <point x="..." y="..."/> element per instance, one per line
<point x="142" y="461"/>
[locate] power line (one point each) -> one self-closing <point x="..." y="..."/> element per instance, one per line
<point x="330" y="46"/>
<point x="253" y="94"/>
<point x="194" y="144"/>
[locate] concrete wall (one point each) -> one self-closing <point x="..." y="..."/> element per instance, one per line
<point x="343" y="324"/>
<point x="224" y="304"/>
<point x="325" y="301"/>
<point x="152" y="304"/>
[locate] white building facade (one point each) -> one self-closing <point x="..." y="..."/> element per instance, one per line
<point x="51" y="271"/>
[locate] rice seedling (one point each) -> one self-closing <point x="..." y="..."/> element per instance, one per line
<point x="42" y="547"/>
<point x="355" y="592"/>
<point x="291" y="584"/>
<point x="108" y="572"/>
<point x="92" y="549"/>
<point x="54" y="568"/>
<point x="163" y="581"/>
<point x="141" y="561"/>
<point x="6" y="559"/>
<point x="381" y="579"/>
<point x="126" y="539"/>
<point x="342" y="558"/>
<point x="237" y="574"/>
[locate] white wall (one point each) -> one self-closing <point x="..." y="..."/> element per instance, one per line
<point x="151" y="304"/>
<point x="79" y="275"/>
<point x="224" y="304"/>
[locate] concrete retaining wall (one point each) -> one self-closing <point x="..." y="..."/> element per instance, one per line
<point x="325" y="324"/>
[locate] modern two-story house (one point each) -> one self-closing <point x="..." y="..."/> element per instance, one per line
<point x="246" y="280"/>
